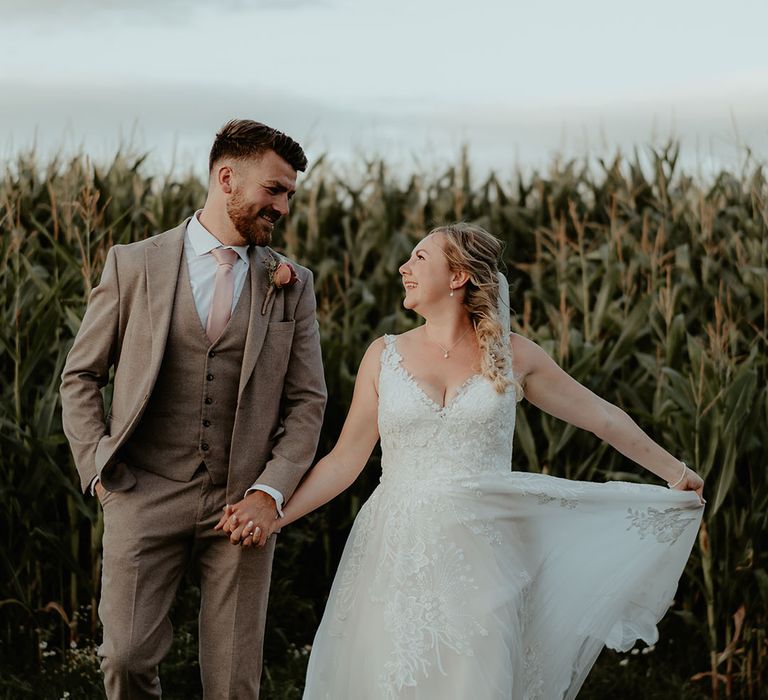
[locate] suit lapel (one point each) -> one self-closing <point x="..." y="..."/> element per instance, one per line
<point x="162" y="262"/>
<point x="257" y="324"/>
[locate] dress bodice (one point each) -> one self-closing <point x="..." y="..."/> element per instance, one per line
<point x="422" y="441"/>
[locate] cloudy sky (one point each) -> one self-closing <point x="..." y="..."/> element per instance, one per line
<point x="411" y="80"/>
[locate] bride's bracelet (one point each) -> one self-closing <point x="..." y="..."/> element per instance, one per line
<point x="682" y="476"/>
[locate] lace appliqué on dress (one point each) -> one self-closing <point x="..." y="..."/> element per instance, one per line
<point x="665" y="525"/>
<point x="425" y="615"/>
<point x="422" y="580"/>
<point x="348" y="583"/>
<point x="567" y="495"/>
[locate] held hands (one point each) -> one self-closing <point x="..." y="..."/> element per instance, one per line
<point x="250" y="521"/>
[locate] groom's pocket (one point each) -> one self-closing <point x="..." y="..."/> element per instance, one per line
<point x="277" y="346"/>
<point x="118" y="477"/>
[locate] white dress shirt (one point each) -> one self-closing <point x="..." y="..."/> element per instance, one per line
<point x="198" y="244"/>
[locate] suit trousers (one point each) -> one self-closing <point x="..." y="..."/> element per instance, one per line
<point x="153" y="533"/>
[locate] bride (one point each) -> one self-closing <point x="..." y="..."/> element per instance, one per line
<point x="461" y="578"/>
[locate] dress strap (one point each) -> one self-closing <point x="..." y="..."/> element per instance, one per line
<point x="389" y="356"/>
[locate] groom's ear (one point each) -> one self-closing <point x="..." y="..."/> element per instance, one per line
<point x="223" y="175"/>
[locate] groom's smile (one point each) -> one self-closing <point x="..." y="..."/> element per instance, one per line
<point x="270" y="216"/>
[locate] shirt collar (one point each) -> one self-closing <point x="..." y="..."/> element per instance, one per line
<point x="203" y="241"/>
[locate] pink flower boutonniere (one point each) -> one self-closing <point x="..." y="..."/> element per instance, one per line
<point x="281" y="274"/>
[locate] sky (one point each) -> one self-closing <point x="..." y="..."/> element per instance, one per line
<point x="413" y="81"/>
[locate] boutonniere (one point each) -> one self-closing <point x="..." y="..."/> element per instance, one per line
<point x="280" y="274"/>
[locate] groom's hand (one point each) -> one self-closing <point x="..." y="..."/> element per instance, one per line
<point x="249" y="521"/>
<point x="99" y="490"/>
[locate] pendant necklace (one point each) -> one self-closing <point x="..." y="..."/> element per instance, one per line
<point x="446" y="351"/>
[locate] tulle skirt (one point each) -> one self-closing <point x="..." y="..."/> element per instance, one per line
<point x="499" y="585"/>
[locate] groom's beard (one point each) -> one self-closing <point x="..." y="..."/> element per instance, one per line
<point x="249" y="221"/>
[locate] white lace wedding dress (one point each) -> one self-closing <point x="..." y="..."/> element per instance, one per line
<point x="462" y="579"/>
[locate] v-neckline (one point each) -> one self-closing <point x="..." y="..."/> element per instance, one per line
<point x="463" y="387"/>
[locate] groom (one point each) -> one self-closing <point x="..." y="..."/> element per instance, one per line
<point x="218" y="394"/>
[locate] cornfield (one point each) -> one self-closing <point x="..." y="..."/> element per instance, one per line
<point x="645" y="284"/>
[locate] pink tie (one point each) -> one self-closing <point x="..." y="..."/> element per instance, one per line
<point x="223" y="289"/>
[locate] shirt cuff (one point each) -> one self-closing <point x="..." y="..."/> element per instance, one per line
<point x="272" y="492"/>
<point x="92" y="487"/>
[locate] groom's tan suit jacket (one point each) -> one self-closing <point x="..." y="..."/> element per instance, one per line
<point x="281" y="393"/>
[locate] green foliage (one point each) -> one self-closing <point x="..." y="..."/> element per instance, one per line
<point x="647" y="286"/>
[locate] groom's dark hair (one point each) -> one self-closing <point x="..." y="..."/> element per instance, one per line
<point x="245" y="138"/>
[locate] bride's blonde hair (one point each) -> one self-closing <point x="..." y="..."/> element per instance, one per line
<point x="473" y="250"/>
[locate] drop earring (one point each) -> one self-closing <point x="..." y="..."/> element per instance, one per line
<point x="451" y="294"/>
